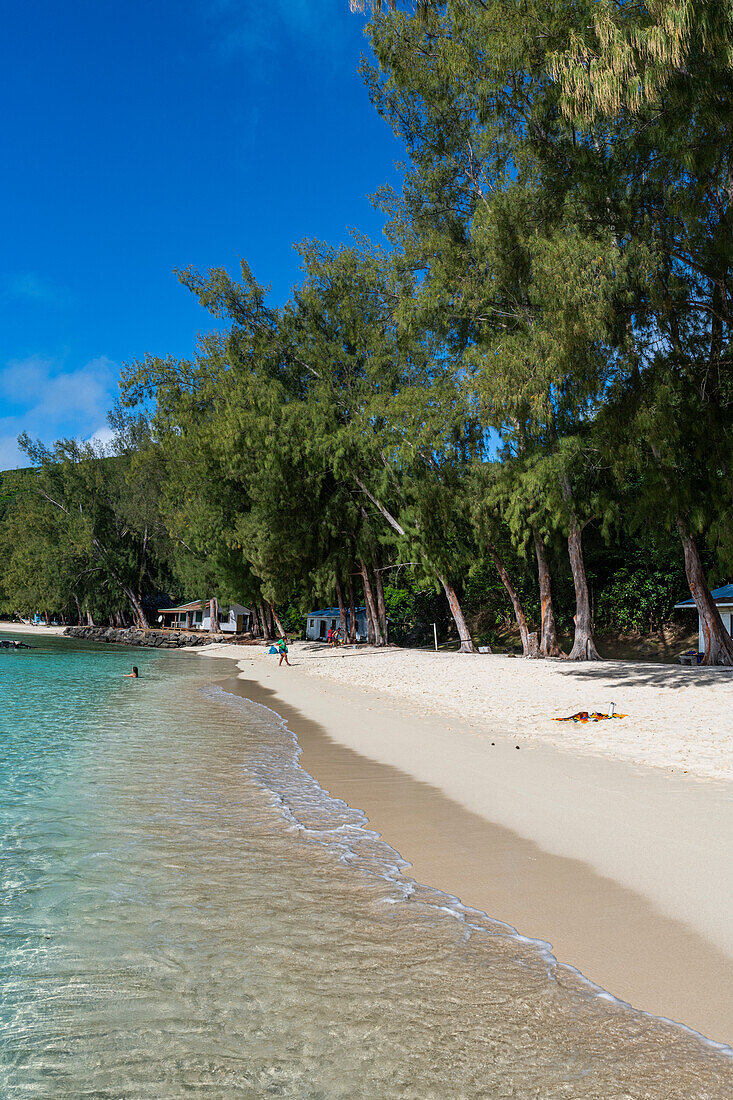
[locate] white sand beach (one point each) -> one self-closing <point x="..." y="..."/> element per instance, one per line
<point x="677" y="718"/>
<point x="610" y="840"/>
<point x="7" y="627"/>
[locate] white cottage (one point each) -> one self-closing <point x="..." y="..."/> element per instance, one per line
<point x="724" y="601"/>
<point x="233" y="618"/>
<point x="320" y="622"/>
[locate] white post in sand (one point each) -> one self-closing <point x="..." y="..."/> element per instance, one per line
<point x="435" y="632"/>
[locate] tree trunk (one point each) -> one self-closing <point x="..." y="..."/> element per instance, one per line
<point x="264" y="624"/>
<point x="718" y="642"/>
<point x="584" y="648"/>
<point x="516" y="602"/>
<point x="374" y="636"/>
<point x="270" y="619"/>
<point x="90" y="620"/>
<point x="142" y="618"/>
<point x="278" y="624"/>
<point x="381" y="606"/>
<point x="80" y="617"/>
<point x="137" y="607"/>
<point x="549" y="645"/>
<point x="342" y="610"/>
<point x="214" y="615"/>
<point x="456" y="611"/>
<point x="352" y="612"/>
<point x="377" y="639"/>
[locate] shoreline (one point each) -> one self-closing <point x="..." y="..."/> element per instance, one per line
<point x="623" y="870"/>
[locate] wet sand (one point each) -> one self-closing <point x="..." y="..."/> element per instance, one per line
<point x="624" y="870"/>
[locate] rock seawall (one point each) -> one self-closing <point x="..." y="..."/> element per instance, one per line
<point x="156" y="639"/>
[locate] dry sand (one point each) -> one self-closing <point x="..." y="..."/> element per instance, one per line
<point x="23" y="628"/>
<point x="624" y="869"/>
<point x="678" y="717"/>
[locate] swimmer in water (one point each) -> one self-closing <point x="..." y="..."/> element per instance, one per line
<point x="133" y="674"/>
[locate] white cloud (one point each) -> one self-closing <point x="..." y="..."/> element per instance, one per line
<point x="48" y="399"/>
<point x="102" y="437"/>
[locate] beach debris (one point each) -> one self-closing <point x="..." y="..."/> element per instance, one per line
<point x="586" y="716"/>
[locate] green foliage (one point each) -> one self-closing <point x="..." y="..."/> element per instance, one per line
<point x="412" y="608"/>
<point x="544" y="349"/>
<point x="83" y="529"/>
<point x="636" y="601"/>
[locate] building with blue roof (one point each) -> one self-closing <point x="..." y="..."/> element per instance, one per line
<point x="320" y="622"/>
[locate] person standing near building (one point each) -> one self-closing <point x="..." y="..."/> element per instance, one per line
<point x="282" y="648"/>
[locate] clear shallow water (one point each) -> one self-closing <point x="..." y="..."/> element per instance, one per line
<point x="184" y="912"/>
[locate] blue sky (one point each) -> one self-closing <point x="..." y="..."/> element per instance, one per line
<point x="150" y="135"/>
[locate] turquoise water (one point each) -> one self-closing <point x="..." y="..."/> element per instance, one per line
<point x="184" y="912"/>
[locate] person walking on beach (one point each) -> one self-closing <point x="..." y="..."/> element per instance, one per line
<point x="282" y="648"/>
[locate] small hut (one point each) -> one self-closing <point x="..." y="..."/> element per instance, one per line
<point x="233" y="618"/>
<point x="320" y="622"/>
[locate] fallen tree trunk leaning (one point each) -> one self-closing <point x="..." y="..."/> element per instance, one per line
<point x="528" y="649"/>
<point x="464" y="634"/>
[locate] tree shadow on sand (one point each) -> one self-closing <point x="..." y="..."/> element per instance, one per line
<point x="661" y="676"/>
